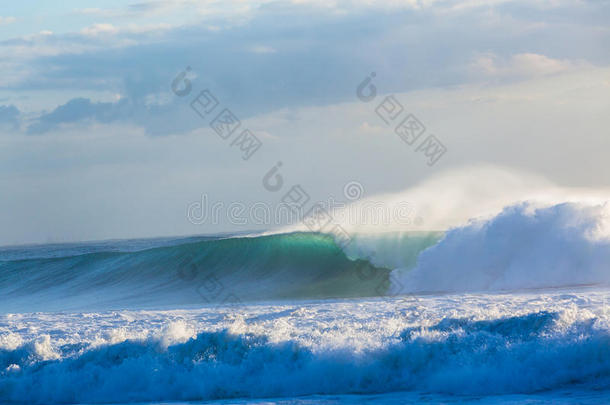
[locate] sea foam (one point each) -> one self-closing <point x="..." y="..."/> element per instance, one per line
<point x="457" y="345"/>
<point x="522" y="247"/>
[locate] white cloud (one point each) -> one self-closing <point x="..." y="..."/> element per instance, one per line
<point x="262" y="49"/>
<point x="231" y="8"/>
<point x="110" y="29"/>
<point x="99" y="12"/>
<point x="439" y="47"/>
<point x="523" y="65"/>
<point x="6" y="20"/>
<point x="97" y="29"/>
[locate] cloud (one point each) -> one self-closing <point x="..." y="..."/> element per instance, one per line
<point x="97" y="29"/>
<point x="9" y="116"/>
<point x="109" y="29"/>
<point x="156" y="115"/>
<point x="7" y="20"/>
<point x="75" y="110"/>
<point x="99" y="12"/>
<point x="173" y="8"/>
<point x="523" y="65"/>
<point x="262" y="49"/>
<point x="292" y="54"/>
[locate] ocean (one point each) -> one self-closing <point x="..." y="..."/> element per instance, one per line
<point x="512" y="309"/>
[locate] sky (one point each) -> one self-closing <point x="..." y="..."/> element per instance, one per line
<point x="99" y="138"/>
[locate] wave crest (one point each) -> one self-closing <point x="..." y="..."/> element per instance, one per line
<point x="522" y="247"/>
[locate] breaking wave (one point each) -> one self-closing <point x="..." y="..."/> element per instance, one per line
<point x="522" y="247"/>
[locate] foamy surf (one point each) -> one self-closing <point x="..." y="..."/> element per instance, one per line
<point x="434" y="348"/>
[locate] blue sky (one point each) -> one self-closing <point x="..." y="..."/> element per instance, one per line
<point x="96" y="145"/>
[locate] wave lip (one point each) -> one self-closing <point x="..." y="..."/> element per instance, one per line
<point x="521" y="354"/>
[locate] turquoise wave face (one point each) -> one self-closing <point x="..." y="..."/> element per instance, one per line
<point x="226" y="271"/>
